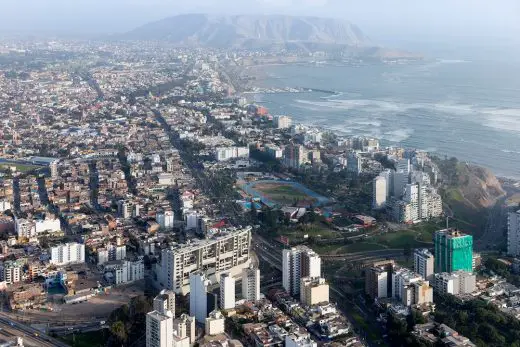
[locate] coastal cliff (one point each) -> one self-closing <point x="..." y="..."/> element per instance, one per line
<point x="469" y="185"/>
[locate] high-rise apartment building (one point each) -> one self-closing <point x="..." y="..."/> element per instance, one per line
<point x="227" y="292"/>
<point x="251" y="284"/>
<point x="159" y="329"/>
<point x="229" y="252"/>
<point x="298" y="262"/>
<point x="159" y="322"/>
<point x="424" y="263"/>
<point x="453" y="251"/>
<point x="376" y="282"/>
<point x="198" y="300"/>
<point x="380" y="192"/>
<point x="67" y="253"/>
<point x="513" y="233"/>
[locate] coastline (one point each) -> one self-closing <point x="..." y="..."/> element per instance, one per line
<point x="262" y="75"/>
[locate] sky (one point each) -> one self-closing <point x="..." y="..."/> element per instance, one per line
<point x="489" y="21"/>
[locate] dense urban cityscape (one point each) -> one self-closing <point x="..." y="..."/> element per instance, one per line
<point x="146" y="199"/>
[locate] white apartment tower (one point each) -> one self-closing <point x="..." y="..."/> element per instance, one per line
<point x="513" y="233"/>
<point x="380" y="191"/>
<point x="227" y="292"/>
<point x="298" y="262"/>
<point x="198" y="297"/>
<point x="423" y="263"/>
<point x="251" y="284"/>
<point x="67" y="253"/>
<point x="159" y="329"/>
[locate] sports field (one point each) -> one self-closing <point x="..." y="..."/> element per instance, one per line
<point x="276" y="192"/>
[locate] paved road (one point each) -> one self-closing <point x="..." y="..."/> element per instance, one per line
<point x="31" y="337"/>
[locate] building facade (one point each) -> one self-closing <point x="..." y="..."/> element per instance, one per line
<point x="251" y="284"/>
<point x="298" y="262"/>
<point x="227" y="292"/>
<point x="216" y="255"/>
<point x="67" y="253"/>
<point x="424" y="263"/>
<point x="513" y="233"/>
<point x="453" y="251"/>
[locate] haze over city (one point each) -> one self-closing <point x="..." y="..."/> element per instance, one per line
<point x="443" y="20"/>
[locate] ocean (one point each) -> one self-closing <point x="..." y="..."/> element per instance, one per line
<point x="466" y="109"/>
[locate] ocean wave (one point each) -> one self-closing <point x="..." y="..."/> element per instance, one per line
<point x="398" y="135"/>
<point x="510" y="151"/>
<point x="453" y="61"/>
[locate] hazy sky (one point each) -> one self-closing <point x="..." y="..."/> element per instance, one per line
<point x="382" y="20"/>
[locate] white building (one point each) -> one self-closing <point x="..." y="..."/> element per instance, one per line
<point x="124" y="271"/>
<point x="380" y="191"/>
<point x="159" y="329"/>
<point x="10" y="272"/>
<point x="216" y="255"/>
<point x="411" y="196"/>
<point x="5" y="205"/>
<point x="198" y="297"/>
<point x="423" y="263"/>
<point x="227" y="292"/>
<point x="513" y="234"/>
<point x="376" y="282"/>
<point x="401" y="279"/>
<point x="251" y="284"/>
<point x="282" y="122"/>
<point x="455" y="283"/>
<point x="226" y="153"/>
<point x="47" y="225"/>
<point x="298" y="262"/>
<point x="165" y="219"/>
<point x="184" y="327"/>
<point x="67" y="253"/>
<point x="294" y="340"/>
<point x="214" y="324"/>
<point x="24" y="228"/>
<point x="165" y="302"/>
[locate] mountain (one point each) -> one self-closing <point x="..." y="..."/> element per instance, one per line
<point x="251" y="31"/>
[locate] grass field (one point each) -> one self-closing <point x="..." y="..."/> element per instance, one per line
<point x="19" y="167"/>
<point x="282" y="193"/>
<point x="90" y="339"/>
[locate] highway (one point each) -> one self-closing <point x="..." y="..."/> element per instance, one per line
<point x="31" y="337"/>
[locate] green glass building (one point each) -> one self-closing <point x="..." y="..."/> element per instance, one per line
<point x="453" y="251"/>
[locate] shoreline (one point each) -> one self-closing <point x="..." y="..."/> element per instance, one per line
<point x="261" y="75"/>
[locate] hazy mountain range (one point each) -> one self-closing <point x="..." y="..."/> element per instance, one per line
<point x="262" y="32"/>
<point x="226" y="31"/>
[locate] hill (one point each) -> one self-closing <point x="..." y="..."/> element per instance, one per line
<point x="244" y="31"/>
<point x="470" y="185"/>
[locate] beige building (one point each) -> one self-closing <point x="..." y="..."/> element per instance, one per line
<point x="313" y="291"/>
<point x="215" y="323"/>
<point x="184" y="326"/>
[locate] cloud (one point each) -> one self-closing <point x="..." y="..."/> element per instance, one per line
<point x="288" y="3"/>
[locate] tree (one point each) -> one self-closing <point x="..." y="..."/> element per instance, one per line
<point x="407" y="251"/>
<point x="118" y="330"/>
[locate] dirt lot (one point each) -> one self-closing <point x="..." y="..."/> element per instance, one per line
<point x="97" y="307"/>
